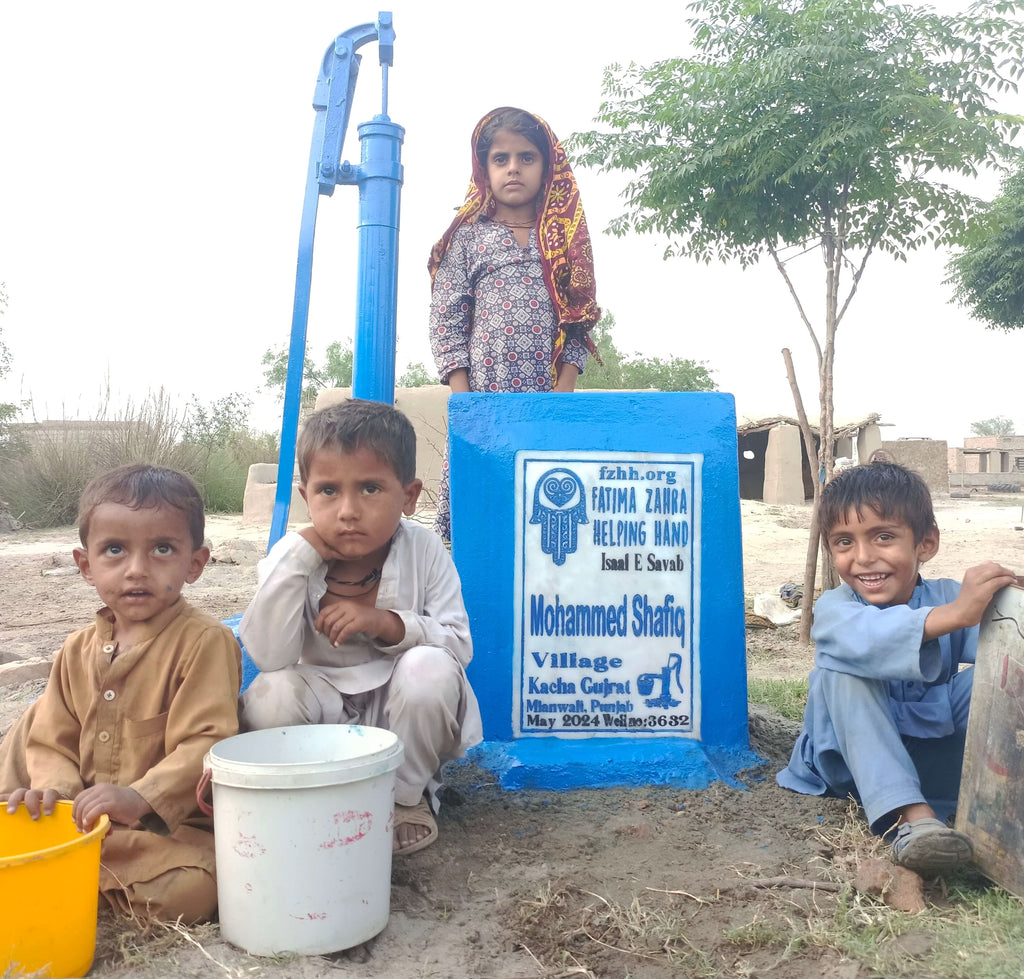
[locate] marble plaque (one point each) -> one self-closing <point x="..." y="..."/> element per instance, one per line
<point x="607" y="594"/>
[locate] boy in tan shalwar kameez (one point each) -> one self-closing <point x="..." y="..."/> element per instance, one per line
<point x="135" y="700"/>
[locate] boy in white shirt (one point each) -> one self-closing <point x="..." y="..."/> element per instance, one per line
<point x="359" y="618"/>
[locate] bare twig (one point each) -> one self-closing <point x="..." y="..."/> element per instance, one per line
<point x="792" y="291"/>
<point x="692" y="897"/>
<point x="857" y="276"/>
<point x="178" y="927"/>
<point x="766" y="882"/>
<point x="616" y="948"/>
<point x="545" y="973"/>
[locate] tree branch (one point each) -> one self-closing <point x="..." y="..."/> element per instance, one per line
<point x="857" y="275"/>
<point x="800" y="308"/>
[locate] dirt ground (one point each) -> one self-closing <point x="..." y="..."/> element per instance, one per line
<point x="640" y="882"/>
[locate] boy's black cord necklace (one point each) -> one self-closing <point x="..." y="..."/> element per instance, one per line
<point x="372" y="575"/>
<point x="370" y="578"/>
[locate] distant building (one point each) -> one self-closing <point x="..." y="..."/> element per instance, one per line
<point x="773" y="461"/>
<point x="987" y="461"/>
<point x="67" y="431"/>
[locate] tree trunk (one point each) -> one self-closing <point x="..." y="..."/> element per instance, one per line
<point x="810" y="565"/>
<point x="822" y="457"/>
<point x="833" y="253"/>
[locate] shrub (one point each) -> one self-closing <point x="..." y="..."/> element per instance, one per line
<point x="43" y="472"/>
<point x="221" y="429"/>
<point x="42" y="477"/>
<point x="227" y="468"/>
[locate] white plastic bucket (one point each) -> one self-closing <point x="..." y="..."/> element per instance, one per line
<point x="303" y="822"/>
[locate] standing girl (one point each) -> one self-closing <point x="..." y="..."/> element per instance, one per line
<point x="513" y="296"/>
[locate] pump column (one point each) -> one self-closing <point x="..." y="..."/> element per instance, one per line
<point x="379" y="178"/>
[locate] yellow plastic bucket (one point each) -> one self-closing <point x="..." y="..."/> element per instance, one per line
<point x="49" y="886"/>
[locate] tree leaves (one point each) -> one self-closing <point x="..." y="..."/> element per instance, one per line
<point x="798" y="114"/>
<point x="830" y="123"/>
<point x="988" y="275"/>
<point x="1000" y="426"/>
<point x="632" y="372"/>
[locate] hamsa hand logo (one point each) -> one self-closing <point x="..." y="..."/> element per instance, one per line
<point x="559" y="505"/>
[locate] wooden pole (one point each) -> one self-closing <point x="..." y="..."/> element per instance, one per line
<point x="811" y="563"/>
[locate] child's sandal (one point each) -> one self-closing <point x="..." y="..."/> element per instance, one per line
<point x="929" y="847"/>
<point x="417" y="815"/>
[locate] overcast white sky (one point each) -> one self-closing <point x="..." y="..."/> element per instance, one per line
<point x="151" y="181"/>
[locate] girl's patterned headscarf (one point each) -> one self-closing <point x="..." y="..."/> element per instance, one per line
<point x="562" y="235"/>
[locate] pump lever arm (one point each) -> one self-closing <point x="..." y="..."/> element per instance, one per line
<point x="335" y="86"/>
<point x="332" y="100"/>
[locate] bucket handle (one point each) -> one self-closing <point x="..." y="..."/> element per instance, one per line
<point x="206" y="808"/>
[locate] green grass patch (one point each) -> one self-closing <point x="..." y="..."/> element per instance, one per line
<point x="760" y="934"/>
<point x="788" y="697"/>
<point x="970" y="930"/>
<point x="978" y="934"/>
<point x="981" y="935"/>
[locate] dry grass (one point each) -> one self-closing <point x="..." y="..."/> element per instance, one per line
<point x="43" y="474"/>
<point x="566" y="926"/>
<point x="971" y="929"/>
<point x="133" y="941"/>
<point x="147" y="947"/>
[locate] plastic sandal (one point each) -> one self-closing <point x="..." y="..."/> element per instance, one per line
<point x="417" y="815"/>
<point x="929" y="847"/>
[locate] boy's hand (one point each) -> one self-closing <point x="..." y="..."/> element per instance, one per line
<point x="37" y="801"/>
<point x="979" y="585"/>
<point x="120" y="802"/>
<point x="324" y="549"/>
<point x="345" y="617"/>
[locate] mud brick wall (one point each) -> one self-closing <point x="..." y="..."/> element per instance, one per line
<point x="929" y="457"/>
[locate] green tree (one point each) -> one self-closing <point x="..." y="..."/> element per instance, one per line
<point x="224" y="446"/>
<point x="988" y="274"/>
<point x="823" y="126"/>
<point x="275" y="374"/>
<point x="336" y="372"/>
<point x="215" y="424"/>
<point x="633" y="372"/>
<point x="1000" y="425"/>
<point x="674" y="374"/>
<point x="608" y="375"/>
<point x="416" y="376"/>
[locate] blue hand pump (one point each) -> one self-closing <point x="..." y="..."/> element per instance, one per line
<point x="378" y="176"/>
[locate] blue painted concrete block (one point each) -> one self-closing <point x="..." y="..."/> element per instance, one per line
<point x="249" y="668"/>
<point x="597" y="536"/>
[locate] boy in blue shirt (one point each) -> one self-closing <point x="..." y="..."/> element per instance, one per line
<point x="887" y="703"/>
